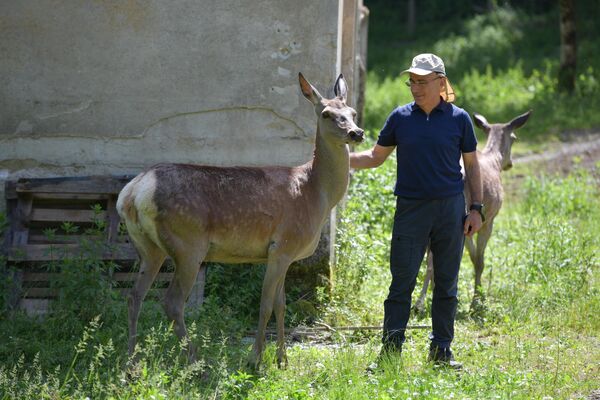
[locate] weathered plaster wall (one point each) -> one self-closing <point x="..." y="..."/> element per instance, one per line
<point x="97" y="87"/>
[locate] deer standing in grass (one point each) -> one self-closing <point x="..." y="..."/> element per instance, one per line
<point x="493" y="159"/>
<point x="195" y="213"/>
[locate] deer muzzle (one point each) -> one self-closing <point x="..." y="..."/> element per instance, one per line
<point x="357" y="135"/>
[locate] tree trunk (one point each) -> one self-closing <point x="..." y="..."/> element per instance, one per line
<point x="361" y="57"/>
<point x="411" y="17"/>
<point x="568" y="47"/>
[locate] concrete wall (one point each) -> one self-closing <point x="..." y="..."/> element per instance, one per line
<point x="111" y="87"/>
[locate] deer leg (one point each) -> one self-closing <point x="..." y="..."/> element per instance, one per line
<point x="470" y="245"/>
<point x="187" y="264"/>
<point x="280" y="319"/>
<point x="419" y="306"/>
<point x="276" y="269"/>
<point x="483" y="236"/>
<point x="151" y="257"/>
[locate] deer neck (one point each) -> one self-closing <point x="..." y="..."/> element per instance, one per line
<point x="330" y="168"/>
<point x="493" y="151"/>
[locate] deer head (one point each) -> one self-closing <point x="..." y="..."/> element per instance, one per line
<point x="335" y="117"/>
<point x="501" y="136"/>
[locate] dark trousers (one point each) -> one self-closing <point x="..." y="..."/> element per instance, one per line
<point x="418" y="223"/>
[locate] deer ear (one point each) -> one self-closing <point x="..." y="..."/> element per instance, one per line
<point x="519" y="121"/>
<point x="341" y="88"/>
<point x="481" y="122"/>
<point x="308" y="90"/>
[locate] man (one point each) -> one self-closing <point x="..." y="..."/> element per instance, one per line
<point x="430" y="135"/>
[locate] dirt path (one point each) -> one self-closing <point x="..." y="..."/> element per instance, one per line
<point x="561" y="158"/>
<point x="577" y="151"/>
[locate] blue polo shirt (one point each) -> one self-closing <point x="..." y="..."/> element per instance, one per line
<point x="428" y="149"/>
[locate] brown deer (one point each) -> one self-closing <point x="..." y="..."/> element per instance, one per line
<point x="272" y="215"/>
<point x="493" y="159"/>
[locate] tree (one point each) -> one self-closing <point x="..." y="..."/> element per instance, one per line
<point x="568" y="47"/>
<point x="411" y="17"/>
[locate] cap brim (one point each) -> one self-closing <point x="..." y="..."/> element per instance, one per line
<point x="418" y="71"/>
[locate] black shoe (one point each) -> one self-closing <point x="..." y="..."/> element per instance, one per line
<point x="443" y="356"/>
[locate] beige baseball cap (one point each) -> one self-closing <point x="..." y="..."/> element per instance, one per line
<point x="425" y="64"/>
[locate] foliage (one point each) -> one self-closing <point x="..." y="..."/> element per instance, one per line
<point x="97" y="369"/>
<point x="501" y="64"/>
<point x="382" y="97"/>
<point x="558" y="268"/>
<point x="232" y="296"/>
<point x="470" y="49"/>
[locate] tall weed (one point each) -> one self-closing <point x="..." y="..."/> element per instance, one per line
<point x="547" y="249"/>
<point x="97" y="370"/>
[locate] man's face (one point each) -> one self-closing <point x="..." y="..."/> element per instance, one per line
<point x="425" y="88"/>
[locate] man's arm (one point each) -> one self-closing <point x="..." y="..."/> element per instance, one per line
<point x="472" y="175"/>
<point x="370" y="158"/>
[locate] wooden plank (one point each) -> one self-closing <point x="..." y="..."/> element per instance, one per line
<point x="56" y="252"/>
<point x="11" y="209"/>
<point x="132" y="276"/>
<point x="154" y="292"/>
<point x="79" y="185"/>
<point x="71" y="238"/>
<point x="38" y="292"/>
<point x="35" y="307"/>
<point x="61" y="239"/>
<point x="10" y="190"/>
<point x="62" y="215"/>
<point x="70" y="196"/>
<point x="22" y="215"/>
<point x="48" y="293"/>
<point x="29" y="276"/>
<point x="25" y="203"/>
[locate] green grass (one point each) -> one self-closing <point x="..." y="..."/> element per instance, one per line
<point x="536" y="337"/>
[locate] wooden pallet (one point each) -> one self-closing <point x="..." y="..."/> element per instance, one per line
<point x="39" y="210"/>
<point x="54" y="219"/>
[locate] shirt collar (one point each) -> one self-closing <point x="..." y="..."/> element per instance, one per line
<point x="442" y="106"/>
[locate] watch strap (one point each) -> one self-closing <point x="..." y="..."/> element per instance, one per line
<point x="479" y="208"/>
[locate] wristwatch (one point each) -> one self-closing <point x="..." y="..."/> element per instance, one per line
<point x="479" y="208"/>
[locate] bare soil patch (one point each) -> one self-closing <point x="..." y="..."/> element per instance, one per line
<point x="582" y="151"/>
<point x="577" y="150"/>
